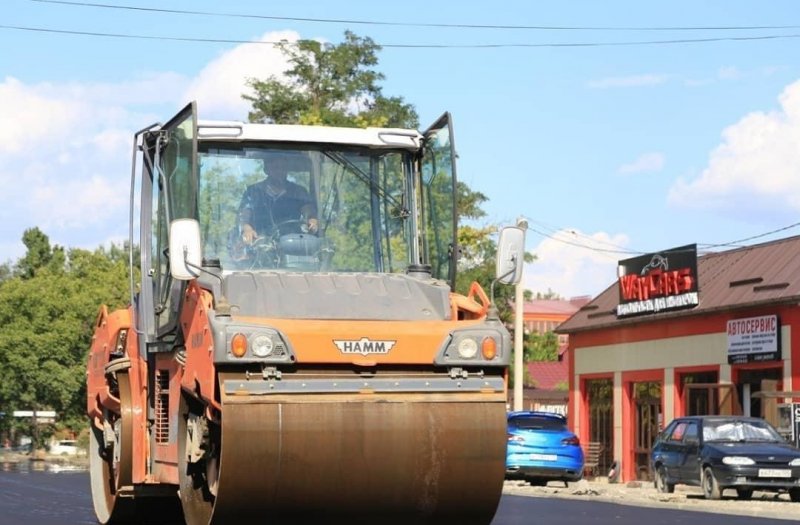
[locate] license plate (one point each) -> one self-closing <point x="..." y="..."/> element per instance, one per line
<point x="542" y="457"/>
<point x="774" y="473"/>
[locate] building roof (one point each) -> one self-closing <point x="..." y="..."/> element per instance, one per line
<point x="547" y="375"/>
<point x="761" y="274"/>
<point x="555" y="306"/>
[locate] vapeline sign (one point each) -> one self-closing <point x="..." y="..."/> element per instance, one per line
<point x="658" y="282"/>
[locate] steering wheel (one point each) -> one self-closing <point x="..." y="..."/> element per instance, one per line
<point x="291" y="226"/>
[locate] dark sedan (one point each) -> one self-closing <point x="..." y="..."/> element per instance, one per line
<point x="721" y="452"/>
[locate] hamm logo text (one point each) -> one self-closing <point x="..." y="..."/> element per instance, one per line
<point x="363" y="346"/>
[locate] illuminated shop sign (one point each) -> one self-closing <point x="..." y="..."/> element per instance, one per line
<point x="658" y="282"/>
<point x="753" y="339"/>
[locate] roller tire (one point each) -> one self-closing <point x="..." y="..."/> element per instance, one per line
<point x="196" y="498"/>
<point x="110" y="470"/>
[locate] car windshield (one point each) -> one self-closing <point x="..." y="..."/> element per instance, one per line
<point x="739" y="431"/>
<point x="537" y="423"/>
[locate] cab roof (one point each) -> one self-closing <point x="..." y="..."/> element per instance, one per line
<point x="377" y="138"/>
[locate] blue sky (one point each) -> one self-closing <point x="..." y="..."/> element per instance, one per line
<point x="602" y="149"/>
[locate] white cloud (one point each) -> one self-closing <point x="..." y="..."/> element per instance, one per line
<point x="571" y="270"/>
<point x="28" y="117"/>
<point x="630" y="81"/>
<point x="755" y="168"/>
<point x="647" y="162"/>
<point x="66" y="147"/>
<point x="729" y="73"/>
<point x="218" y="88"/>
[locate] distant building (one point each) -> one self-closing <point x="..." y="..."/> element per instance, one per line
<point x="548" y="391"/>
<point x="544" y="315"/>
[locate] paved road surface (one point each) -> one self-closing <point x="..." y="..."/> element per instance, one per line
<point x="46" y="498"/>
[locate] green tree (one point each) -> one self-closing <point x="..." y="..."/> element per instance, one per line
<point x="541" y="347"/>
<point x="47" y="314"/>
<point x="549" y="295"/>
<point x="331" y="85"/>
<point x="39" y="254"/>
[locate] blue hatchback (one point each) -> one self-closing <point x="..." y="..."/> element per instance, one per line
<point x="541" y="449"/>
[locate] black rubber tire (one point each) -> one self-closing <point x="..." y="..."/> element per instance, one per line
<point x="536" y="482"/>
<point x="661" y="481"/>
<point x="196" y="500"/>
<point x="794" y="495"/>
<point x="744" y="494"/>
<point x="711" y="488"/>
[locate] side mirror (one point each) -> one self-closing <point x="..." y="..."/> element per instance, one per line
<point x="185" y="257"/>
<point x="510" y="255"/>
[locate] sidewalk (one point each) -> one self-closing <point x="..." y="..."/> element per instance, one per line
<point x="644" y="494"/>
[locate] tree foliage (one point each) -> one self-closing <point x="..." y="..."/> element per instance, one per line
<point x="47" y="313"/>
<point x="328" y="84"/>
<point x="541" y="346"/>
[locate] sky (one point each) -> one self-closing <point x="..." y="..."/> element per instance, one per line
<point x="607" y="146"/>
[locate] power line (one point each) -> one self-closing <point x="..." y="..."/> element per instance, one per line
<point x="737" y="243"/>
<point x="586" y="238"/>
<point x="706" y="247"/>
<point x="581" y="245"/>
<point x="405" y="46"/>
<point x="415" y="24"/>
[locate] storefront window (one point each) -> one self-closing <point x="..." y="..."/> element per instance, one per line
<point x="699" y="396"/>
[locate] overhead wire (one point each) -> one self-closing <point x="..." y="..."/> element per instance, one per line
<point x="403" y="46"/>
<point x="414" y="24"/>
<point x="702" y="247"/>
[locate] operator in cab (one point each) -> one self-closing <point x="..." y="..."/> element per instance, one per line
<point x="276" y="205"/>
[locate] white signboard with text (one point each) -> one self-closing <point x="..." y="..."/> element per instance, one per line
<point x="753" y="339"/>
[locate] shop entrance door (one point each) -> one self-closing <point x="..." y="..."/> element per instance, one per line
<point x="600" y="397"/>
<point x="647" y="425"/>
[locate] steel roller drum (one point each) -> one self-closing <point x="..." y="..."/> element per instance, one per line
<point x="366" y="460"/>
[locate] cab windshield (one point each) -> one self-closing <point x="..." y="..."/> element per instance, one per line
<point x="305" y="208"/>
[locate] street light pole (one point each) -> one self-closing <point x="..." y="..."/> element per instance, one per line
<point x="522" y="223"/>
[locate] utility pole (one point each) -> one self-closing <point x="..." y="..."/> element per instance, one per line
<point x="519" y="299"/>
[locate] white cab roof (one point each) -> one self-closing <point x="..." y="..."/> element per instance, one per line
<point x="379" y="138"/>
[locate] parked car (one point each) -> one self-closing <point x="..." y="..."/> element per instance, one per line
<point x="541" y="448"/>
<point x="725" y="452"/>
<point x="64" y="447"/>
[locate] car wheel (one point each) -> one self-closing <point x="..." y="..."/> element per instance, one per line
<point x="661" y="481"/>
<point x="711" y="488"/>
<point x="794" y="494"/>
<point x="744" y="493"/>
<point x="534" y="482"/>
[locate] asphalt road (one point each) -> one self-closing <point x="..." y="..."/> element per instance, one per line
<point x="47" y="498"/>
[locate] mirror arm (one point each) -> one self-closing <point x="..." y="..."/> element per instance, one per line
<point x="493" y="312"/>
<point x="223" y="307"/>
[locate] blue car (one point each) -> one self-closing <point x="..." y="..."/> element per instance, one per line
<point x="541" y="449"/>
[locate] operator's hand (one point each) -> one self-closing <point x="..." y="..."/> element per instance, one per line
<point x="313" y="225"/>
<point x="248" y="233"/>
